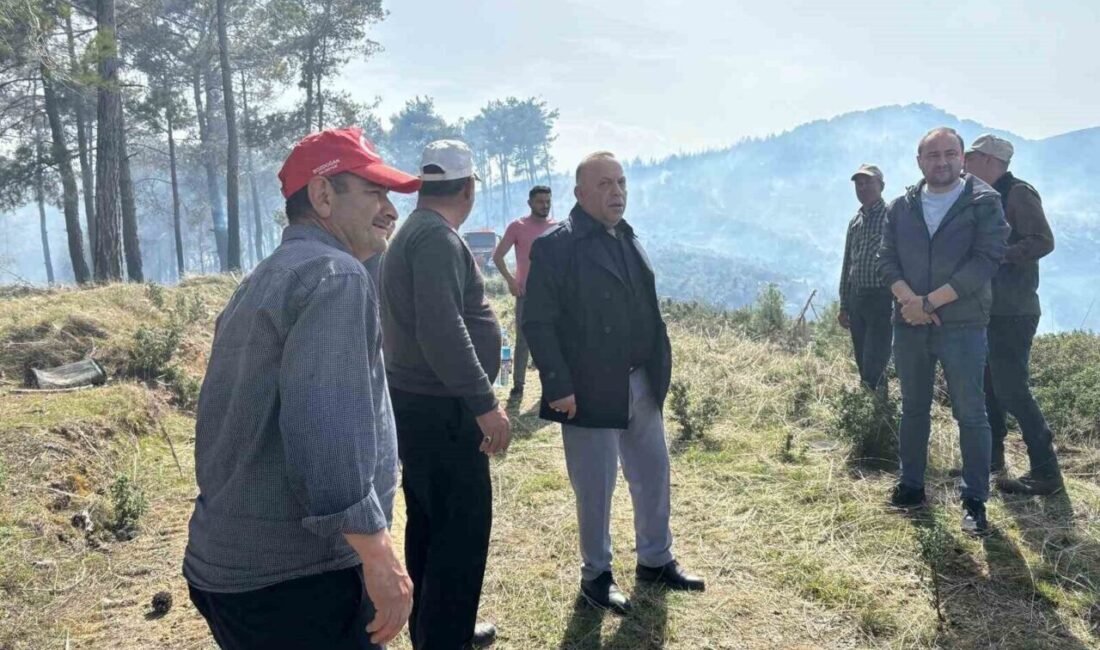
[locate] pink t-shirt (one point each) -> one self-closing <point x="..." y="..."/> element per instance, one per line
<point x="521" y="233"/>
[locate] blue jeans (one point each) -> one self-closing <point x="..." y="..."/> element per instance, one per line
<point x="962" y="353"/>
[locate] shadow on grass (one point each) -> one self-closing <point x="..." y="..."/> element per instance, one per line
<point x="1001" y="608"/>
<point x="646" y="627"/>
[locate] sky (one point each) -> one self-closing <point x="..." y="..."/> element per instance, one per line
<point x="651" y="78"/>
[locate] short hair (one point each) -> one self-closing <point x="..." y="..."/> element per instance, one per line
<point x="441" y="188"/>
<point x="937" y="131"/>
<point x="298" y="206"/>
<point x="538" y="189"/>
<point x="599" y="155"/>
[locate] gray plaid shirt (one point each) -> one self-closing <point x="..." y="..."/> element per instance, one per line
<point x="295" y="441"/>
<point x="860" y="270"/>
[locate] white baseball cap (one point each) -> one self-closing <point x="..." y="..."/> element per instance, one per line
<point x="452" y="156"/>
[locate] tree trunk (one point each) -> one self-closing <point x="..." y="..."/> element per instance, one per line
<point x="232" y="166"/>
<point x="81" y="104"/>
<point x="108" y="252"/>
<point x="213" y="193"/>
<point x="130" y="243"/>
<point x="40" y="198"/>
<point x="307" y="71"/>
<point x="169" y="115"/>
<point x="258" y="234"/>
<point x="70" y="200"/>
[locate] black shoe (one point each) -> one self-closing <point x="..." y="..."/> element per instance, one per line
<point x="485" y="634"/>
<point x="974" y="521"/>
<point x="516" y="393"/>
<point x="1030" y="484"/>
<point x="670" y="576"/>
<point x="906" y="497"/>
<point x="602" y="592"/>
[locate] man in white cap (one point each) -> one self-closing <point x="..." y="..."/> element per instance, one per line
<point x="442" y="345"/>
<point x="865" y="301"/>
<point x="1013" y="320"/>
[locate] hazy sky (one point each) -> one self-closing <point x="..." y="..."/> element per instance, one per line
<point x="653" y="77"/>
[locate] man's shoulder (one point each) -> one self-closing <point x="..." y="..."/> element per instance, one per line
<point x="312" y="262"/>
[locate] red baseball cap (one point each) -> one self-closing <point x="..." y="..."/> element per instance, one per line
<point x="336" y="151"/>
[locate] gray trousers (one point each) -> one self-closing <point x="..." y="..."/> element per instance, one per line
<point x="592" y="458"/>
<point x="519" y="355"/>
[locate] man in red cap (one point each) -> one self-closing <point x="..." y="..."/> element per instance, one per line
<point x="295" y="444"/>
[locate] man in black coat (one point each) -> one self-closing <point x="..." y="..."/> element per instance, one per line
<point x="595" y="330"/>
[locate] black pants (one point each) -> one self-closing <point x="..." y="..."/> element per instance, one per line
<point x="872" y="333"/>
<point x="327" y="610"/>
<point x="449" y="503"/>
<point x="1006" y="389"/>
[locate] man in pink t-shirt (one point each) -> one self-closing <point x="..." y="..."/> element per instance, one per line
<point x="521" y="233"/>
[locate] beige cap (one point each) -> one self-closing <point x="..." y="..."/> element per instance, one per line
<point x="868" y="170"/>
<point x="991" y="145"/>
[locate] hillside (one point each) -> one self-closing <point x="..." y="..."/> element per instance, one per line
<point x="777" y="207"/>
<point x="771" y="505"/>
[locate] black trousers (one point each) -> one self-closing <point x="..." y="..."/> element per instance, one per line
<point x="872" y="333"/>
<point x="327" y="610"/>
<point x="1007" y="390"/>
<point x="449" y="503"/>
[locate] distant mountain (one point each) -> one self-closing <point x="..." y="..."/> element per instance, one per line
<point x="776" y="208"/>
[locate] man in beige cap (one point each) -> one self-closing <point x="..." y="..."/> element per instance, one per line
<point x="1014" y="318"/>
<point x="865" y="301"/>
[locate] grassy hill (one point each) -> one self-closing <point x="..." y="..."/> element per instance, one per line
<point x="771" y="504"/>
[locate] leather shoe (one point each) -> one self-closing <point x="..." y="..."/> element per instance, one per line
<point x="671" y="576"/>
<point x="602" y="592"/>
<point x="485" y="634"/>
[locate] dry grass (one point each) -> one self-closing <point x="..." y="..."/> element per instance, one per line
<point x="797" y="546"/>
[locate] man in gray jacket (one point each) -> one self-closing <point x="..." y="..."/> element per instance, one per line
<point x="941" y="245"/>
<point x="442" y="344"/>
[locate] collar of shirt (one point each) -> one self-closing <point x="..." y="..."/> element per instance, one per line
<point x="585" y="224"/>
<point x="312" y="233"/>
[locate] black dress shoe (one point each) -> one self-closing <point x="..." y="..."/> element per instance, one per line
<point x="671" y="576"/>
<point x="485" y="634"/>
<point x="602" y="592"/>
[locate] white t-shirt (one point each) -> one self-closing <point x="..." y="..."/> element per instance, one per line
<point x="935" y="206"/>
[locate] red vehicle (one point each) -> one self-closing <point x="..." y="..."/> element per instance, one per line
<point x="482" y="243"/>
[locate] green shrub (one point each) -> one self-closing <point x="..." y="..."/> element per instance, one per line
<point x="769" y="321"/>
<point x="869" y="423"/>
<point x="935" y="542"/>
<point x="706" y="319"/>
<point x="156" y="294"/>
<point x="1065" y="376"/>
<point x="129" y="505"/>
<point x="694" y="419"/>
<point x="152" y="351"/>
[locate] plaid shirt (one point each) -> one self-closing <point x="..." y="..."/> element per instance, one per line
<point x="861" y="251"/>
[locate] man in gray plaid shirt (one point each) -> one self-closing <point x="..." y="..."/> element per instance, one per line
<point x="865" y="302"/>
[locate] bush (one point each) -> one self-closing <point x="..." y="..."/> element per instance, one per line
<point x="1065" y="376"/>
<point x="129" y="505"/>
<point x="156" y="295"/>
<point x="694" y="419"/>
<point x="869" y="423"/>
<point x="706" y="319"/>
<point x="153" y="350"/>
<point x="769" y="321"/>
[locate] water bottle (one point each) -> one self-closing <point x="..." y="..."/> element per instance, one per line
<point x="505" y="359"/>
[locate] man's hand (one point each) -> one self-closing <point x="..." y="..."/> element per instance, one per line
<point x="388" y="585"/>
<point x="514" y="288"/>
<point x="912" y="311"/>
<point x="843" y="319"/>
<point x="496" y="431"/>
<point x="567" y="405"/>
